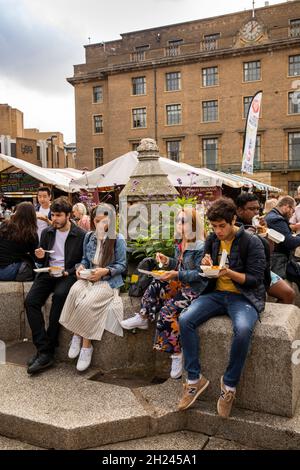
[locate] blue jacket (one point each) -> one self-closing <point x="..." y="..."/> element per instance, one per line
<point x="277" y="222"/>
<point x="189" y="270"/>
<point x="117" y="266"/>
<point x="253" y="289"/>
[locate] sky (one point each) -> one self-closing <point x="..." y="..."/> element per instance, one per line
<point x="41" y="40"/>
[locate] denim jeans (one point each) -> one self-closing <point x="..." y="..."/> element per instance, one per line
<point x="243" y="316"/>
<point x="10" y="272"/>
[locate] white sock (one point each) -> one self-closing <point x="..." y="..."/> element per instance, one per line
<point x="193" y="382"/>
<point x="230" y="389"/>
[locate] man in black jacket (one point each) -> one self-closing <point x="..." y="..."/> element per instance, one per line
<point x="238" y="292"/>
<point x="278" y="219"/>
<point x="65" y="241"/>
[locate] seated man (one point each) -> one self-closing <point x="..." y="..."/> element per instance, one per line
<point x="238" y="292"/>
<point x="65" y="241"/>
<point x="279" y="220"/>
<point x="247" y="208"/>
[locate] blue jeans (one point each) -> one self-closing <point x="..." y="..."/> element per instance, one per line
<point x="10" y="272"/>
<point x="243" y="316"/>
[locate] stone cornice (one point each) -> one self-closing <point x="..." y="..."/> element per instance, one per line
<point x="102" y="73"/>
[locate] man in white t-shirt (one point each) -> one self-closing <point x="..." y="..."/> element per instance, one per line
<point x="43" y="212"/>
<point x="61" y="246"/>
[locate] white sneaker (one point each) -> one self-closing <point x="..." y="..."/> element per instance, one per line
<point x="135" y="322"/>
<point x="85" y="358"/>
<point x="176" y="369"/>
<point x="75" y="346"/>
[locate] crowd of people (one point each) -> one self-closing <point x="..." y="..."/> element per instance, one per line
<point x="81" y="260"/>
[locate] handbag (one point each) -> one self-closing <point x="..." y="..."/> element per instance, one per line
<point x="25" y="272"/>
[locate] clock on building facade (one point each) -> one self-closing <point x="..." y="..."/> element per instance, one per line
<point x="252" y="31"/>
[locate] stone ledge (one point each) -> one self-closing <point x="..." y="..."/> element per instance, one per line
<point x="270" y="382"/>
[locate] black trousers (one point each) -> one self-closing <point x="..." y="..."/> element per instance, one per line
<point x="47" y="340"/>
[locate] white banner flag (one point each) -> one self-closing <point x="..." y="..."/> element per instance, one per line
<point x="251" y="133"/>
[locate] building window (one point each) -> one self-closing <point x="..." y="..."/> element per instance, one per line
<point x="139" y="86"/>
<point x="210" y="111"/>
<point x="210" y="42"/>
<point x="97" y="94"/>
<point x="139" y="54"/>
<point x="257" y="154"/>
<point x="252" y="71"/>
<point x="294" y="65"/>
<point x="294" y="102"/>
<point x="173" y="48"/>
<point x="13" y="149"/>
<point x="173" y="81"/>
<point x="210" y="76"/>
<point x="293" y="186"/>
<point x="174" y="150"/>
<point x="247" y="102"/>
<point x="294" y="149"/>
<point x="139" y="116"/>
<point x="295" y="28"/>
<point x="38" y="153"/>
<point x="173" y="114"/>
<point x="135" y="146"/>
<point x="210" y="153"/>
<point x="98" y="157"/>
<point x="98" y="124"/>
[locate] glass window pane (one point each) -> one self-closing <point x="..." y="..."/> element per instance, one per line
<point x="294" y="149"/>
<point x="247" y="101"/>
<point x="294" y="102"/>
<point x="98" y="157"/>
<point x="139" y="86"/>
<point x="294" y="65"/>
<point x="174" y="114"/>
<point x="173" y="81"/>
<point x="210" y="76"/>
<point x="252" y="71"/>
<point x="210" y="153"/>
<point x="139" y="117"/>
<point x="98" y="124"/>
<point x="97" y="94"/>
<point x="210" y="111"/>
<point x="174" y="150"/>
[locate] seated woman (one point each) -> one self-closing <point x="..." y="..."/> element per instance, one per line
<point x="93" y="304"/>
<point x="175" y="290"/>
<point x="81" y="217"/>
<point x="18" y="241"/>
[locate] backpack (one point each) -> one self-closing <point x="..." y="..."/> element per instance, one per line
<point x="243" y="254"/>
<point x="138" y="288"/>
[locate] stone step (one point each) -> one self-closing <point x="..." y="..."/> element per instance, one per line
<point x="61" y="409"/>
<point x="270" y="355"/>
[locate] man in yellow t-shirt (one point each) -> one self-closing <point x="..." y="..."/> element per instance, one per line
<point x="239" y="292"/>
<point x="224" y="283"/>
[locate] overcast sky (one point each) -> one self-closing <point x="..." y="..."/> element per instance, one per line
<point x="41" y="40"/>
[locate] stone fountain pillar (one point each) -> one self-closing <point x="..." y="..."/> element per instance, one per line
<point x="148" y="188"/>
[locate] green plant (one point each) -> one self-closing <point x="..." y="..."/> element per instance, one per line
<point x="146" y="245"/>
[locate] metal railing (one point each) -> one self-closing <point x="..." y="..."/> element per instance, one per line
<point x="172" y="51"/>
<point x="283" y="165"/>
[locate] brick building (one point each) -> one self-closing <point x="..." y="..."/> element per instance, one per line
<point x="189" y="85"/>
<point x="46" y="149"/>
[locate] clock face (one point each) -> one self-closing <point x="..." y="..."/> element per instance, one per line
<point x="251" y="31"/>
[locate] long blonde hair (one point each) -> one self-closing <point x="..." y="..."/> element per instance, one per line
<point x="197" y="223"/>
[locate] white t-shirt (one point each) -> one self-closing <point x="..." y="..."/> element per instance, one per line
<point x="58" y="257"/>
<point x="40" y="223"/>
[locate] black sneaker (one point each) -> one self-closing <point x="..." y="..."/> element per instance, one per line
<point x="32" y="360"/>
<point x="42" y="362"/>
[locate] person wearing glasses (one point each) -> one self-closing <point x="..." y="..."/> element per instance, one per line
<point x="166" y="297"/>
